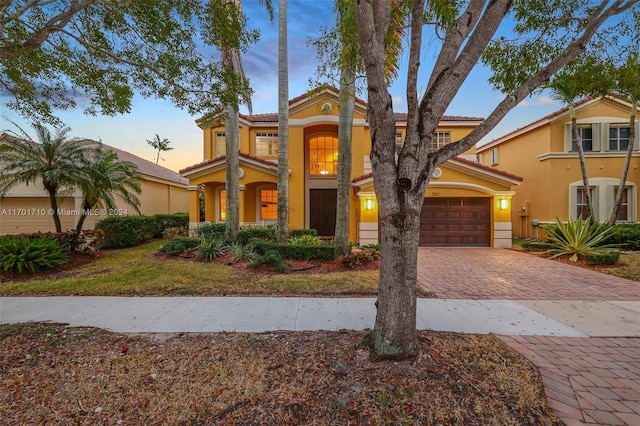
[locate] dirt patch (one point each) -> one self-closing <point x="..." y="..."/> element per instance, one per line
<point x="58" y="375"/>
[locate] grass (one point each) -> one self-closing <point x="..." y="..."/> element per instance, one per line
<point x="133" y="271"/>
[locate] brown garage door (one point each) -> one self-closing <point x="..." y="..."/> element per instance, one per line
<point x="456" y="222"/>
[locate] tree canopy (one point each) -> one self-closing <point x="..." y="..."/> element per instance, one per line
<point x="96" y="54"/>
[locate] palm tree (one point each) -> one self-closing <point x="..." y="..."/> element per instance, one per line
<point x="627" y="84"/>
<point x="282" y="221"/>
<point x="565" y="88"/>
<point x="54" y="160"/>
<point x="160" y="145"/>
<point x="108" y="177"/>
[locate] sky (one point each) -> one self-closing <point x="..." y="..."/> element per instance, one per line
<point x="306" y="20"/>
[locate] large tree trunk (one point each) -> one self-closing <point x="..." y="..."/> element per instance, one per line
<point x="282" y="226"/>
<point x="625" y="168"/>
<point x="233" y="164"/>
<point x="345" y="130"/>
<point x="85" y="208"/>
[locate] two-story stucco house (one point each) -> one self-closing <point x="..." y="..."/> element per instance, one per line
<point x="466" y="203"/>
<point x="544" y="153"/>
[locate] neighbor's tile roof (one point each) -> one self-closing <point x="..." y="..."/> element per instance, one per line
<point x="222" y="157"/>
<point x="461" y="160"/>
<point x="148" y="168"/>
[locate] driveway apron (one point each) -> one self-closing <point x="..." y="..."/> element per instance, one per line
<point x="587" y="380"/>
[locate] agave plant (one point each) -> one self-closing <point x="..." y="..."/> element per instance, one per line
<point x="211" y="248"/>
<point x="577" y="238"/>
<point x="240" y="252"/>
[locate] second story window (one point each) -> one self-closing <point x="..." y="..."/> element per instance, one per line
<point x="323" y="155"/>
<point x="586" y="136"/>
<point x="219" y="144"/>
<point x="439" y="140"/>
<point x="618" y="138"/>
<point x="493" y="157"/>
<point x="266" y="144"/>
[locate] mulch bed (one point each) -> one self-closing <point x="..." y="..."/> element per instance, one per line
<point x="51" y="374"/>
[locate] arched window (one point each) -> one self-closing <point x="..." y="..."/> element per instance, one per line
<point x="323" y="155"/>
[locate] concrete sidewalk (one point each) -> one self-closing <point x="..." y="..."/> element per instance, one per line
<point x="258" y="314"/>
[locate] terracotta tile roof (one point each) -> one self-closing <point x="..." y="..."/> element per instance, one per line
<point x="148" y="168"/>
<point x="488" y="168"/>
<point x="464" y="161"/>
<point x="402" y="116"/>
<point x="273" y="116"/>
<point x="222" y="157"/>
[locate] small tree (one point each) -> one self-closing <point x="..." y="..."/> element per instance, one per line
<point x="160" y="145"/>
<point x="108" y="178"/>
<point x="54" y="160"/>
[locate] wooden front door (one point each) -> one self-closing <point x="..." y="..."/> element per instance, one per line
<point x="457" y="222"/>
<point x="322" y="211"/>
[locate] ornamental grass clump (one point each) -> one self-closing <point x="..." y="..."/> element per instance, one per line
<point x="577" y="238"/>
<point x="210" y="249"/>
<point x="240" y="252"/>
<point x="25" y="254"/>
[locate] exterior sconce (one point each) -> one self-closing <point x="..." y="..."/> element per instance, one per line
<point x="368" y="204"/>
<point x="504" y="204"/>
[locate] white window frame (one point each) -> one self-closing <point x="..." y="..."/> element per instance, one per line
<point x="493" y="157"/>
<point x="271" y="144"/>
<point x="219" y="144"/>
<point x="439" y="140"/>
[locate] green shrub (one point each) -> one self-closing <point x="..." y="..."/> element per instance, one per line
<point x="305" y="240"/>
<point x="210" y="249"/>
<point x="271" y="257"/>
<point x="250" y="233"/>
<point x="178" y="245"/>
<point x="577" y="238"/>
<point x="610" y="257"/>
<point x="361" y="257"/>
<point x="175" y="232"/>
<point x="127" y="231"/>
<point x="626" y="235"/>
<point x="212" y="230"/>
<point x="240" y="252"/>
<point x="20" y="254"/>
<point x="535" y="245"/>
<point x="375" y="247"/>
<point x="288" y="251"/>
<point x="175" y="220"/>
<point x="294" y="233"/>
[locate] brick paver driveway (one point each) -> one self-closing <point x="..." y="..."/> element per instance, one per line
<point x="587" y="381"/>
<point x="486" y="273"/>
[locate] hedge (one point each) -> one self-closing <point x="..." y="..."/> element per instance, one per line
<point x="126" y="231"/>
<point x="294" y="233"/>
<point x="287" y="251"/>
<point x="175" y="220"/>
<point x="626" y="235"/>
<point x="607" y="258"/>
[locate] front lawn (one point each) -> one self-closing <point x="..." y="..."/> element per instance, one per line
<point x="135" y="272"/>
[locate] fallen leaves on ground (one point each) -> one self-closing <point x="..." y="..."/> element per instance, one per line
<point x="53" y="374"/>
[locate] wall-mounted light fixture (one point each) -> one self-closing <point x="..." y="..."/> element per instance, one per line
<point x="368" y="204"/>
<point x="504" y="204"/>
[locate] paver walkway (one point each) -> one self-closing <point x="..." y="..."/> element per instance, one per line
<point x="587" y="381"/>
<point x="485" y="273"/>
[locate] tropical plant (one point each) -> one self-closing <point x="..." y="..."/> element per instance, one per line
<point x="54" y="161"/>
<point x="160" y="145"/>
<point x="108" y="177"/>
<point x="577" y="238"/>
<point x="210" y="249"/>
<point x="270" y="257"/>
<point x="240" y="252"/>
<point x="27" y="254"/>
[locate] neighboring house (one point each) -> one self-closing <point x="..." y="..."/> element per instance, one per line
<point x="466" y="203"/>
<point x="25" y="209"/>
<point x="545" y="155"/>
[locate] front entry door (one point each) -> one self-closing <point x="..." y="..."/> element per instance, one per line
<point x="322" y="211"/>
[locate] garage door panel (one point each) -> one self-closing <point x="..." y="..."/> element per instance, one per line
<point x="455" y="222"/>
